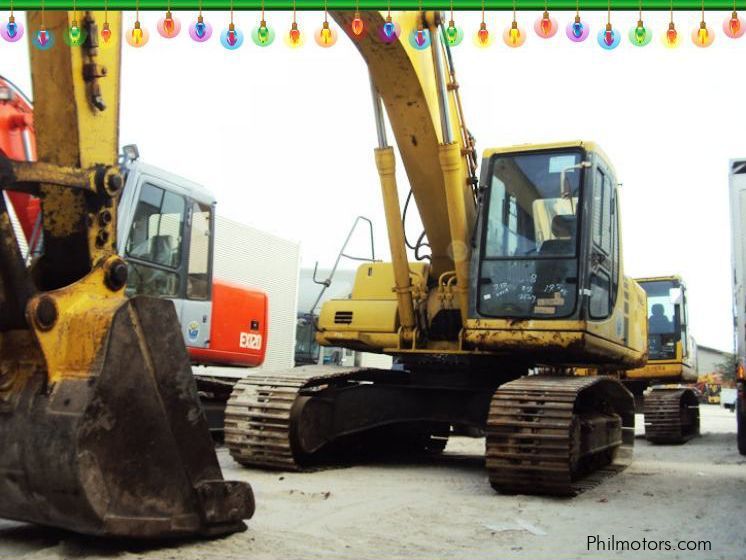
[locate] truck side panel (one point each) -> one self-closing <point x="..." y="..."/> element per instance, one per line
<point x="738" y="256"/>
<point x="738" y="217"/>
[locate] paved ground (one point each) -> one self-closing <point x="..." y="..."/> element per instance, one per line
<point x="445" y="508"/>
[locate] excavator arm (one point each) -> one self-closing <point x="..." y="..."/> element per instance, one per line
<point x="101" y="429"/>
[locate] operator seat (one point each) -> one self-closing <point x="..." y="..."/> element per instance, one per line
<point x="562" y="242"/>
<point x="161" y="250"/>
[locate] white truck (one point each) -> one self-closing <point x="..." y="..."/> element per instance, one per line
<point x="738" y="259"/>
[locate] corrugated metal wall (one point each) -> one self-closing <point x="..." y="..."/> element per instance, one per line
<point x="256" y="259"/>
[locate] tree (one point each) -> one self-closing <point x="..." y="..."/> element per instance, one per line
<point x="728" y="367"/>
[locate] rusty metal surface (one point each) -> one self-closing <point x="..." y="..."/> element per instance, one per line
<point x="125" y="452"/>
<point x="550" y="434"/>
<point x="671" y="415"/>
<point x="72" y="132"/>
<point x="25" y="176"/>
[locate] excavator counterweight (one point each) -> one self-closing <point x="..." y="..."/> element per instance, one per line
<point x="101" y="429"/>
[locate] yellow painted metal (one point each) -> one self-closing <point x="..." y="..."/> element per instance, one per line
<point x="585" y="144"/>
<point x="69" y="130"/>
<point x="370" y="318"/>
<point x="451" y="162"/>
<point x="373" y="281"/>
<point x="570" y="342"/>
<point x="658" y="369"/>
<point x="617" y="341"/>
<point x="101" y="428"/>
<point x="405" y="79"/>
<point x="385" y="162"/>
<point x="627" y="324"/>
<point x="85" y="311"/>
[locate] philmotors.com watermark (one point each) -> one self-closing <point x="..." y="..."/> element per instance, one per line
<point x="597" y="543"/>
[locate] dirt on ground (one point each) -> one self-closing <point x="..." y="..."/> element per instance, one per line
<point x="444" y="508"/>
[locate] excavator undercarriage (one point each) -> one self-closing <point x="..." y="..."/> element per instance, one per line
<point x="544" y="433"/>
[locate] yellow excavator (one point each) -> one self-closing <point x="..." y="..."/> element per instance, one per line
<point x="524" y="276"/>
<point x="101" y="429"/>
<point x="671" y="411"/>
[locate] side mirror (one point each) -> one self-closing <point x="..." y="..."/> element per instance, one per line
<point x="564" y="186"/>
<point x="676" y="295"/>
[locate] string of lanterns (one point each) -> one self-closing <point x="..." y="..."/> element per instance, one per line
<point x="325" y="36"/>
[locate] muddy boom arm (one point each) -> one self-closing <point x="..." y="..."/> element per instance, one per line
<point x="101" y="430"/>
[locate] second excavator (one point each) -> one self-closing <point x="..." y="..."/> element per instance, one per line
<point x="523" y="284"/>
<point x="671" y="410"/>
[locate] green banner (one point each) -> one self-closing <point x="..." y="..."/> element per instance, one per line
<point x="522" y="5"/>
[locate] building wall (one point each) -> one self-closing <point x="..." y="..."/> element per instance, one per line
<point x="256" y="259"/>
<point x="708" y="359"/>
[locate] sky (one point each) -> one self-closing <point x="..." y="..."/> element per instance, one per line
<point x="285" y="137"/>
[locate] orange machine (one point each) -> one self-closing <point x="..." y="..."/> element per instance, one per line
<point x="17" y="141"/>
<point x="235" y="341"/>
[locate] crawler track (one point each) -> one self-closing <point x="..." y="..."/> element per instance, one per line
<point x="258" y="417"/>
<point x="671" y="415"/>
<point x="558" y="435"/>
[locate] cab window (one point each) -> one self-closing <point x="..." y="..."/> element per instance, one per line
<point x="198" y="284"/>
<point x="604" y="275"/>
<point x="154" y="243"/>
<point x="157" y="227"/>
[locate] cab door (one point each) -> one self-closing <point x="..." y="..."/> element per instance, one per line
<point x="196" y="305"/>
<point x="603" y="268"/>
<point x="166" y="239"/>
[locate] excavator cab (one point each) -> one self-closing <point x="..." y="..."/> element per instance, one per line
<point x="670" y="348"/>
<point x="546" y="270"/>
<point x="166" y="234"/>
